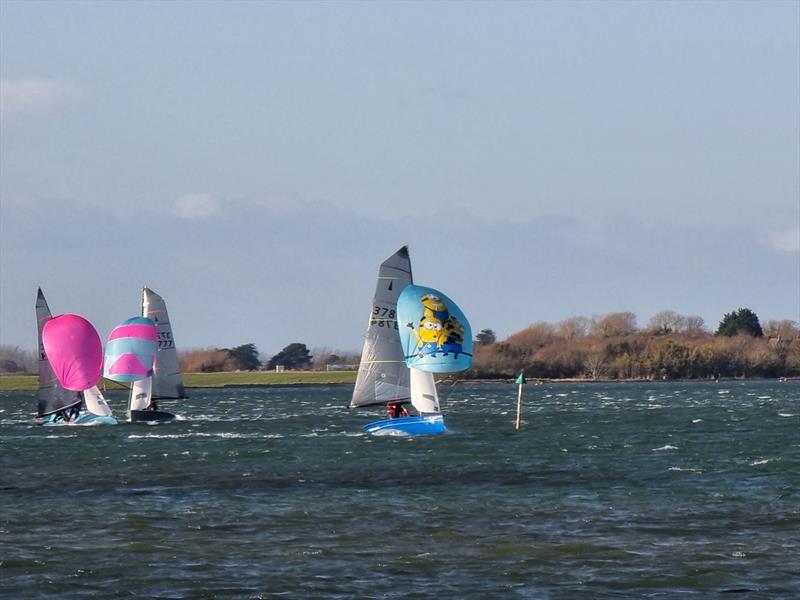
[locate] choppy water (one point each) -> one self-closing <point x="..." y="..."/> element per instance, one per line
<point x="629" y="490"/>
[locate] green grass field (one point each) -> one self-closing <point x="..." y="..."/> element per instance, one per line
<point x="212" y="380"/>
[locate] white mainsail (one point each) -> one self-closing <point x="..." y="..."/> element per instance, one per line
<point x="167" y="378"/>
<point x="382" y="374"/>
<point x="52" y="397"/>
<point x="423" y="392"/>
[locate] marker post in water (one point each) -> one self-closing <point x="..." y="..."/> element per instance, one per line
<point x="520" y="382"/>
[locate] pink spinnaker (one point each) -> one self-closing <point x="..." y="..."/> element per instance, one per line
<point x="75" y="351"/>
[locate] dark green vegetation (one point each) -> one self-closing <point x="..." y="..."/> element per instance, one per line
<point x="246" y="357"/>
<point x="743" y="321"/>
<point x="485" y="337"/>
<point x="293" y="356"/>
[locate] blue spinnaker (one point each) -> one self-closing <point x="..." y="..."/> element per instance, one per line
<point x="131" y="350"/>
<point x="435" y="335"/>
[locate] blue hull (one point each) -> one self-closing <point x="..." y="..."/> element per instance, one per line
<point x="425" y="425"/>
<point x="84" y="420"/>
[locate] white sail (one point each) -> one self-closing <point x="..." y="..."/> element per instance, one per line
<point x="52" y="397"/>
<point x="96" y="403"/>
<point x="141" y="393"/>
<point x="382" y="374"/>
<point x="167" y="377"/>
<point x="423" y="392"/>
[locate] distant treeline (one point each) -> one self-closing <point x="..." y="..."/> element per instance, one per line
<point x="295" y="356"/>
<point x="672" y="346"/>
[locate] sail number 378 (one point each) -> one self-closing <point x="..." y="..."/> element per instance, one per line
<point x="383" y="317"/>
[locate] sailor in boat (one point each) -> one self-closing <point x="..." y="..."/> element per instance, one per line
<point x="396" y="410"/>
<point x="69" y="414"/>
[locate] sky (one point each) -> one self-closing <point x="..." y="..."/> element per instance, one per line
<point x="254" y="162"/>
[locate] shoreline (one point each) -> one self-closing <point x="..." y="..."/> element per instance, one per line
<point x="253" y="379"/>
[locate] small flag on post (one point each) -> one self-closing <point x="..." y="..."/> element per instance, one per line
<point x="520" y="383"/>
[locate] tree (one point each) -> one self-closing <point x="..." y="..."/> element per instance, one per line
<point x="332" y="359"/>
<point x="743" y="320"/>
<point x="665" y="322"/>
<point x="210" y="360"/>
<point x="246" y="357"/>
<point x="15" y="360"/>
<point x="615" y="324"/>
<point x="293" y="356"/>
<point x="573" y="328"/>
<point x="785" y="330"/>
<point x="694" y="324"/>
<point x="485" y="337"/>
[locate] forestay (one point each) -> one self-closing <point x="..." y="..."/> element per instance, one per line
<point x="382" y="374"/>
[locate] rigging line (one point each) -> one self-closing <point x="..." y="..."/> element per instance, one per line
<point x="451" y="381"/>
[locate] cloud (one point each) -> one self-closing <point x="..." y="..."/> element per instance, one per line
<point x="33" y="96"/>
<point x="276" y="276"/>
<point x="787" y="240"/>
<point x="196" y="207"/>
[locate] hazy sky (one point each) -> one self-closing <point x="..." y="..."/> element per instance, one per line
<point x="254" y="162"/>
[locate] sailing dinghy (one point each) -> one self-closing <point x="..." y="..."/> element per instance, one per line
<point x="130" y="355"/>
<point x="384" y="376"/>
<point x="166" y="380"/>
<point x="70" y="365"/>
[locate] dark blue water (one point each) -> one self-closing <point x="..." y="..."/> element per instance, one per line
<point x="629" y="490"/>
